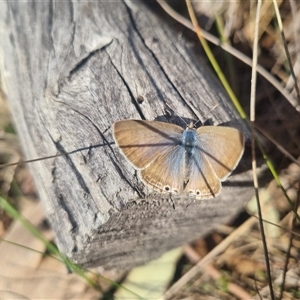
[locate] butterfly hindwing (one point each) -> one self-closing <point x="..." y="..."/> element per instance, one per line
<point x="203" y="183"/>
<point x="166" y="172"/>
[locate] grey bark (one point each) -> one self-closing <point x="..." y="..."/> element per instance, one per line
<point x="69" y="71"/>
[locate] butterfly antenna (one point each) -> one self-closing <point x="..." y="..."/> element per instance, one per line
<point x="205" y="116"/>
<point x="173" y="113"/>
<point x="168" y="109"/>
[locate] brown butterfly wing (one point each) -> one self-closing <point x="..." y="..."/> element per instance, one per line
<point x="223" y="148"/>
<point x="203" y="182"/>
<point x="142" y="142"/>
<point x="216" y="154"/>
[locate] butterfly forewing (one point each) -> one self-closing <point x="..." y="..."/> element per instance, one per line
<point x="223" y="147"/>
<point x="141" y="142"/>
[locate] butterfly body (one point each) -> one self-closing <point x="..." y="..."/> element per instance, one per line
<point x="189" y="140"/>
<point x="171" y="159"/>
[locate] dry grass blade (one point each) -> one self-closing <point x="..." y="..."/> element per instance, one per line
<point x="291" y="69"/>
<point x="28" y="161"/>
<point x="280" y="147"/>
<point x="30" y="273"/>
<point x="209" y="269"/>
<point x="285" y="269"/>
<point x="254" y="167"/>
<point x="242" y="230"/>
<point x="242" y="57"/>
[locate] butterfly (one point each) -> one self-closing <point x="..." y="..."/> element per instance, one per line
<point x="171" y="159"/>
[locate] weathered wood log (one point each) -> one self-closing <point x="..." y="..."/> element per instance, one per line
<point x="70" y="71"/>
